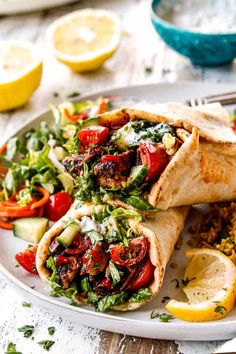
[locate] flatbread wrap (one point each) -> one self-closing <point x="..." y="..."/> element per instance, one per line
<point x="169" y="155"/>
<point x="109" y="257"/>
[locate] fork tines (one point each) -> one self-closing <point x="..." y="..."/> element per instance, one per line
<point x="224" y="99"/>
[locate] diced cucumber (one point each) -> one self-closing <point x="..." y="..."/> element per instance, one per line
<point x="67" y="236"/>
<point x="126" y="137"/>
<point x="30" y="229"/>
<point x="67" y="182"/>
<point x="89" y="122"/>
<point x="137" y="175"/>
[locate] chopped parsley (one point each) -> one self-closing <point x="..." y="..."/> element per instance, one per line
<point x="163" y="317"/>
<point x="220" y="309"/>
<point x="148" y="69"/>
<point x="141" y="295"/>
<point x="46" y="344"/>
<point x="26" y="304"/>
<point x="177" y="282"/>
<point x="51" y="330"/>
<point x="73" y="95"/>
<point x="55" y="94"/>
<point x="165" y="298"/>
<point x="11" y="349"/>
<point x="187" y="280"/>
<point x="27" y="330"/>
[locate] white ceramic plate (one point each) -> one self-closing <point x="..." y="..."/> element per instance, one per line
<point x="8" y="7"/>
<point x="136" y="323"/>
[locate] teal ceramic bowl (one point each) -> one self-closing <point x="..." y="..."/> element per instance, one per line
<point x="202" y="49"/>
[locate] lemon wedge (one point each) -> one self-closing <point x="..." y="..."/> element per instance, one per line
<point x="84" y="39"/>
<point x="210" y="279"/>
<point x="20" y="73"/>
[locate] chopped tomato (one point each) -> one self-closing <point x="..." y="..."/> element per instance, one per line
<point x="234" y="125"/>
<point x="62" y="260"/>
<point x="57" y="205"/>
<point x="144" y="277"/>
<point x="27" y="259"/>
<point x="122" y="160"/>
<point x="79" y="245"/>
<point x="94" y="261"/>
<point x="111" y="158"/>
<point x="94" y="135"/>
<point x="75" y="117"/>
<point x="131" y="255"/>
<point x="155" y="158"/>
<point x="105" y="283"/>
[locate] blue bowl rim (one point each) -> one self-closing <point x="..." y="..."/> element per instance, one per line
<point x="169" y="25"/>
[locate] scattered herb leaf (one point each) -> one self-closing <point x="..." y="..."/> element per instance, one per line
<point x="55" y="94"/>
<point x="163" y="317"/>
<point x="73" y="95"/>
<point x="177" y="282"/>
<point x="46" y="344"/>
<point x="187" y="280"/>
<point x="220" y="309"/>
<point x="165" y="298"/>
<point x="26" y="304"/>
<point x="51" y="330"/>
<point x="27" y="330"/>
<point x="11" y="349"/>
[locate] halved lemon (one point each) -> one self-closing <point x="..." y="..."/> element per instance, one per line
<point x="210" y="279"/>
<point x="84" y="39"/>
<point x="20" y="73"/>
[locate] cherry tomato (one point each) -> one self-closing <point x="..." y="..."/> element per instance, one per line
<point x="144" y="277"/>
<point x="94" y="135"/>
<point x="94" y="261"/>
<point x="122" y="160"/>
<point x="62" y="260"/>
<point x="131" y="255"/>
<point x="79" y="245"/>
<point x="155" y="158"/>
<point x="57" y="205"/>
<point x="27" y="259"/>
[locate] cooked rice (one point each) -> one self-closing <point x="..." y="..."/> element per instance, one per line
<point x="217" y="230"/>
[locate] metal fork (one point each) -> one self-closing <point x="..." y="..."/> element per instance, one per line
<point x="224" y="99"/>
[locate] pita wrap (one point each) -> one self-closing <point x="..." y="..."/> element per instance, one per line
<point x="162" y="232"/>
<point x="203" y="169"/>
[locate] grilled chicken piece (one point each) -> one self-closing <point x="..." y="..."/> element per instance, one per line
<point x="68" y="271"/>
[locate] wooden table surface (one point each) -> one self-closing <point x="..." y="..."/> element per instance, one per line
<point x="140" y="48"/>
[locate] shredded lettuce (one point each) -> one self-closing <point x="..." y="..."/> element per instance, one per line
<point x="111" y="300"/>
<point x="24" y="197"/>
<point x="141" y="295"/>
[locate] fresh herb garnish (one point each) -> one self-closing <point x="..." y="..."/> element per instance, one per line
<point x="73" y="94"/>
<point x="46" y="344"/>
<point x="148" y="69"/>
<point x="165" y="298"/>
<point x="26" y="304"/>
<point x="220" y="309"/>
<point x="176" y="281"/>
<point x="51" y="330"/>
<point x="11" y="349"/>
<point x="27" y="330"/>
<point x="187" y="280"/>
<point x="55" y="94"/>
<point x="163" y="317"/>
